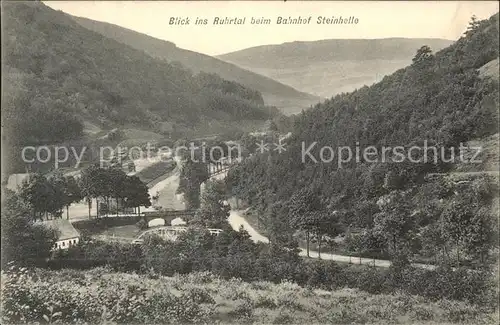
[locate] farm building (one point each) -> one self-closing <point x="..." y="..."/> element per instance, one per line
<point x="68" y="235"/>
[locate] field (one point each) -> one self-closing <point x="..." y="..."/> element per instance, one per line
<point x="101" y="296"/>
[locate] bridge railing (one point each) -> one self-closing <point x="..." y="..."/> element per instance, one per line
<point x="168" y="212"/>
<point x="172" y="230"/>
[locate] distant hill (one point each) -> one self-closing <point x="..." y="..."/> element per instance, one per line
<point x="60" y="76"/>
<point x="329" y="67"/>
<point x="274" y="93"/>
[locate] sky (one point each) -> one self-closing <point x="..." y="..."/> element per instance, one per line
<point x="419" y="19"/>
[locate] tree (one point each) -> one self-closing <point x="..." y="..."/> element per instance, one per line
<point x="364" y="213"/>
<point x="88" y="185"/>
<point x="473" y="26"/>
<point x="23" y="241"/>
<point x="330" y="225"/>
<point x="278" y="225"/>
<point x="131" y="166"/>
<point x="467" y="220"/>
<point x="424" y="55"/>
<point x="248" y="142"/>
<point x="104" y="186"/>
<point x="298" y="208"/>
<point x="118" y="182"/>
<point x="371" y="242"/>
<point x="395" y="222"/>
<point x="59" y="192"/>
<point x="136" y="193"/>
<point x="44" y="196"/>
<point x="306" y="212"/>
<point x="73" y="193"/>
<point x="192" y="175"/>
<point x="272" y="126"/>
<point x="214" y="209"/>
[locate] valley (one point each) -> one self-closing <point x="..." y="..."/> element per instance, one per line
<point x="143" y="183"/>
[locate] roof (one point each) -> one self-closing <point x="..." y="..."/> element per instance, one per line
<point x="65" y="228"/>
<point x="16" y="180"/>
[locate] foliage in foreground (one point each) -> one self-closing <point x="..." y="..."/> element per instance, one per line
<point x="232" y="254"/>
<point x="100" y="296"/>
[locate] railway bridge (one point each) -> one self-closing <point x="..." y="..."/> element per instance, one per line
<point x="168" y="216"/>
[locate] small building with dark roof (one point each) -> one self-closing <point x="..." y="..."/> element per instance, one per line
<point x="68" y="235"/>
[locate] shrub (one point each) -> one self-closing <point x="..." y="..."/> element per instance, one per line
<point x="93" y="226"/>
<point x="421" y="313"/>
<point x="283" y="317"/>
<point x="234" y="255"/>
<point x="27" y="300"/>
<point x="200" y="296"/>
<point x="324" y="274"/>
<point x="475" y="286"/>
<point x="243" y="310"/>
<point x="41" y="296"/>
<point x="142" y="224"/>
<point x="264" y="301"/>
<point x="185" y="310"/>
<point x="289" y="301"/>
<point x="367" y="278"/>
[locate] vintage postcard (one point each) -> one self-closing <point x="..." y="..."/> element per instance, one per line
<point x="250" y="162"/>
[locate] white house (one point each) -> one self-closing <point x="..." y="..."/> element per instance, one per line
<point x="68" y="235"/>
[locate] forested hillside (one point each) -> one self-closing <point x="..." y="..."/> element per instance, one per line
<point x="440" y="98"/>
<point x="276" y="94"/>
<point x="58" y="74"/>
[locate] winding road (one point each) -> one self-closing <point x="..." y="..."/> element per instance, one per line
<point x="168" y="198"/>
<point x="236" y="220"/>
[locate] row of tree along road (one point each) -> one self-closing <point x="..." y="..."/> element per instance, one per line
<point x="49" y="195"/>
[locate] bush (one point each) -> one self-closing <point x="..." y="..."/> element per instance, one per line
<point x="325" y="275"/>
<point x="94" y="226"/>
<point x="244" y="310"/>
<point x="233" y="255"/>
<point x="264" y="301"/>
<point x="28" y="300"/>
<point x="101" y="296"/>
<point x="367" y="278"/>
<point x="142" y="224"/>
<point x="288" y="301"/>
<point x="200" y="296"/>
<point x="475" y="286"/>
<point x="283" y="317"/>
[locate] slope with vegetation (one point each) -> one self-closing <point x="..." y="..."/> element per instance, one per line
<point x="330" y="67"/>
<point x="390" y="208"/>
<point x="59" y="75"/>
<point x="276" y="94"/>
<point x="101" y="296"/>
<point x="135" y="286"/>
